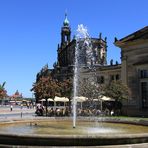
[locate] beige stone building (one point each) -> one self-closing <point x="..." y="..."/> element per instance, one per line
<point x="134" y="70"/>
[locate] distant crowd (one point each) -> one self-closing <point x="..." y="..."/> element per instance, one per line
<point x="108" y="109"/>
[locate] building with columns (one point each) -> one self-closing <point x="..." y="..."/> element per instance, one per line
<point x="132" y="71"/>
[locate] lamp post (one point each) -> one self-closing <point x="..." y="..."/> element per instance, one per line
<point x="46" y="106"/>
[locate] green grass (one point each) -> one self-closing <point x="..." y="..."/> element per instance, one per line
<point x="129" y="118"/>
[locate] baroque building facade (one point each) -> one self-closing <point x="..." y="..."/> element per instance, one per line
<point x="133" y="70"/>
<point x="66" y="52"/>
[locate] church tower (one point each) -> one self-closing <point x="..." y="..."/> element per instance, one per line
<point x="65" y="33"/>
<point x="63" y="52"/>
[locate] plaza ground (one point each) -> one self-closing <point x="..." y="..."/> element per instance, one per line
<point x="15" y="109"/>
<point x="16" y="113"/>
<point x="6" y="113"/>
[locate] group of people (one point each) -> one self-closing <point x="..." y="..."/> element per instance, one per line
<point x="59" y="112"/>
<point x="94" y="112"/>
<point x="40" y="111"/>
<point x="108" y="108"/>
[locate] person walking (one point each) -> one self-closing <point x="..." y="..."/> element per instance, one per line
<point x="21" y="106"/>
<point x="11" y="108"/>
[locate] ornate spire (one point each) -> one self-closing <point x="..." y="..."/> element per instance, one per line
<point x="66" y="22"/>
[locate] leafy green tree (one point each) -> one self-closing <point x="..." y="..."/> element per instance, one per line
<point x="46" y="87"/>
<point x="66" y="87"/>
<point x="117" y="90"/>
<point x="90" y="90"/>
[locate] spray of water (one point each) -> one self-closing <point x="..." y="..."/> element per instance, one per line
<point x="83" y="57"/>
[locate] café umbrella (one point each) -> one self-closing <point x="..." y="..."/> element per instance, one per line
<point x="81" y="99"/>
<point x="50" y="99"/>
<point x="105" y="98"/>
<point x="42" y="100"/>
<point x="61" y="99"/>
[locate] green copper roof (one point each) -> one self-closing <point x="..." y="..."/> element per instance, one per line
<point x="66" y="22"/>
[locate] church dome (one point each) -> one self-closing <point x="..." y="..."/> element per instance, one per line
<point x="66" y="22"/>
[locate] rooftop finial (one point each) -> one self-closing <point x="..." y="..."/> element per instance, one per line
<point x="66" y="22"/>
<point x="100" y="35"/>
<point x="65" y="13"/>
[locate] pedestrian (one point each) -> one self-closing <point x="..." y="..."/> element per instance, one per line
<point x="11" y="108"/>
<point x="21" y="106"/>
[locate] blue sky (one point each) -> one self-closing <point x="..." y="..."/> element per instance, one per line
<point x="30" y="32"/>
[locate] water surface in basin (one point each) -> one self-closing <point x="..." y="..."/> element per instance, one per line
<point x="65" y="128"/>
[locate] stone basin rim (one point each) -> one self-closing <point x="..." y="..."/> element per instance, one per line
<point x="116" y="136"/>
<point x="72" y="140"/>
<point x="89" y="119"/>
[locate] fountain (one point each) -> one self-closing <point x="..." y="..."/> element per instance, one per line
<point x="56" y="131"/>
<point x="83" y="57"/>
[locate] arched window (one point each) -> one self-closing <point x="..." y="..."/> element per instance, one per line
<point x="101" y="79"/>
<point x="117" y="77"/>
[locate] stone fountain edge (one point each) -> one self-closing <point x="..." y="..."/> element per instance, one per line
<point x="67" y="140"/>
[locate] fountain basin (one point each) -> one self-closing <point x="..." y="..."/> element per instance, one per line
<point x="12" y="133"/>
